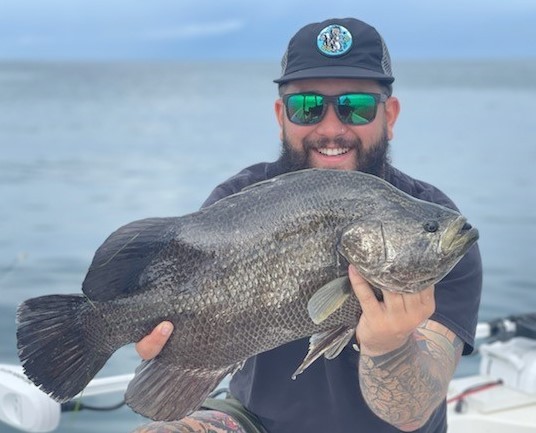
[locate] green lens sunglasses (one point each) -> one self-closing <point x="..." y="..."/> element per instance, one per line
<point x="351" y="108"/>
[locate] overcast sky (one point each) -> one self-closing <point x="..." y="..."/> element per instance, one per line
<point x="257" y="29"/>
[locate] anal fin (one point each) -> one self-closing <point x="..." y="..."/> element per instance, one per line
<point x="165" y="392"/>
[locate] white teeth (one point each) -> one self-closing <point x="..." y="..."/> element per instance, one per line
<point x="333" y="152"/>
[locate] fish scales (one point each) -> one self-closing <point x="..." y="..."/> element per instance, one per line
<point x="297" y="249"/>
<point x="254" y="271"/>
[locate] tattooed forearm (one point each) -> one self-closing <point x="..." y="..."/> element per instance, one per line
<point x="403" y="387"/>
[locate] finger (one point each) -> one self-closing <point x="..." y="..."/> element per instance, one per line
<point x="407" y="302"/>
<point x="421" y="301"/>
<point x="151" y="345"/>
<point x="427" y="296"/>
<point x="394" y="301"/>
<point x="419" y="305"/>
<point x="363" y="291"/>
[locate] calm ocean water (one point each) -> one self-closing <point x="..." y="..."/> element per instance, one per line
<point x="85" y="148"/>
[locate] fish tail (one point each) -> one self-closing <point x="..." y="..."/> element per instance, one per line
<point x="56" y="350"/>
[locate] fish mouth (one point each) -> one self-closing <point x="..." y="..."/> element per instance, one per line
<point x="458" y="237"/>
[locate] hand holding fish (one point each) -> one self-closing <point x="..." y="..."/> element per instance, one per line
<point x="386" y="325"/>
<point x="403" y="353"/>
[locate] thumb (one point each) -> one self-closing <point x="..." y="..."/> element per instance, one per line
<point x="151" y="345"/>
<point x="362" y="290"/>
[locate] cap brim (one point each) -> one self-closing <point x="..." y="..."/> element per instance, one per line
<point x="335" y="72"/>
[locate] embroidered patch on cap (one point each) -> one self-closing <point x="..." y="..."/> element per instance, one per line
<point x="334" y="40"/>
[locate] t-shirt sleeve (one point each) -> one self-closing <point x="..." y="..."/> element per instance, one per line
<point x="458" y="298"/>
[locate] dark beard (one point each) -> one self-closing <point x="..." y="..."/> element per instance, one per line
<point x="373" y="161"/>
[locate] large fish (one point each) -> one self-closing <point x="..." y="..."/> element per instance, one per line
<point x="251" y="272"/>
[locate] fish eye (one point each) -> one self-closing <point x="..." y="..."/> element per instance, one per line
<point x="431" y="226"/>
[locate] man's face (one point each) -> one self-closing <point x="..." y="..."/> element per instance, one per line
<point x="331" y="143"/>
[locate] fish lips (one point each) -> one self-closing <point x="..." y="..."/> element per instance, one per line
<point x="458" y="238"/>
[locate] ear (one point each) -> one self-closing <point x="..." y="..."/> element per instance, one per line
<point x="392" y="109"/>
<point x="280" y="115"/>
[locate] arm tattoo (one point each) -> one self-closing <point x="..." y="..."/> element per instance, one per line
<point x="404" y="386"/>
<point x="206" y="421"/>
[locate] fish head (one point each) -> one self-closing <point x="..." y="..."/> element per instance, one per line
<point x="408" y="248"/>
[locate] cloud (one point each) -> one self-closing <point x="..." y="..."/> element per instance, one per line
<point x="244" y="29"/>
<point x="194" y="30"/>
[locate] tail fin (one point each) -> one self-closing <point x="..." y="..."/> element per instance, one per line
<point x="52" y="343"/>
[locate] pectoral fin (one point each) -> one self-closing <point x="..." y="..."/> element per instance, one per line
<point x="329" y="343"/>
<point x="328" y="299"/>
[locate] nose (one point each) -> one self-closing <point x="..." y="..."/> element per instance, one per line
<point x="331" y="126"/>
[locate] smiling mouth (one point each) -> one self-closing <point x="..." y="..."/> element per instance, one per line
<point x="333" y="152"/>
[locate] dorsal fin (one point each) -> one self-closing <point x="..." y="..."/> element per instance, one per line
<point x="120" y="261"/>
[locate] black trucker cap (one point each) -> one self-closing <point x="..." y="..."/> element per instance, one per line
<point x="336" y="48"/>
